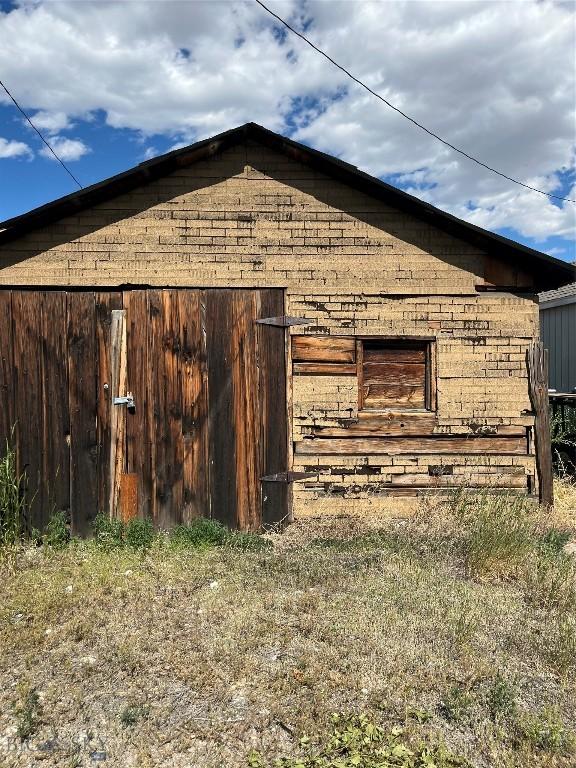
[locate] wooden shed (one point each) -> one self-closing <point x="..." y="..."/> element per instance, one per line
<point x="247" y="329"/>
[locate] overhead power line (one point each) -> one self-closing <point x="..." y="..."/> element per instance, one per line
<point x="62" y="163"/>
<point x="400" y="112"/>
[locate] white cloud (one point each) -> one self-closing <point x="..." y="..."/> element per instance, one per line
<point x="66" y="149"/>
<point x="12" y="149"/>
<point x="495" y="78"/>
<point x="51" y="122"/>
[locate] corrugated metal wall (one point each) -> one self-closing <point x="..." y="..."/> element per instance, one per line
<point x="558" y="331"/>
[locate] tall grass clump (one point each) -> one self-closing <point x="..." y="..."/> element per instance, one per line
<point x="12" y="499"/>
<point x="499" y="531"/>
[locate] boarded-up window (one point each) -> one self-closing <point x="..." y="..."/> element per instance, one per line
<point x="395" y="374"/>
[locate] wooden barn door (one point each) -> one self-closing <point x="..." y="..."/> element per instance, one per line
<point x="53" y="348"/>
<point x="209" y="416"/>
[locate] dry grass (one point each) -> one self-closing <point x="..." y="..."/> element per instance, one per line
<point x="179" y="658"/>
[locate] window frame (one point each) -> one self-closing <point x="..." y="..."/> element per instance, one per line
<point x="430" y="385"/>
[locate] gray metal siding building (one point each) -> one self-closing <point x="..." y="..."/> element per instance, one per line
<point x="558" y="332"/>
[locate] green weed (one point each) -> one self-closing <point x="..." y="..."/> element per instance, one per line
<point x="28" y="712"/>
<point x="546" y="731"/>
<point x="554" y="540"/>
<point x="108" y="532"/>
<point x="465" y="627"/>
<point x="12" y="499"/>
<point x="357" y="742"/>
<point x="200" y="533"/>
<point x="456" y="705"/>
<point x="132" y="713"/>
<point x="247" y="542"/>
<point x="558" y="646"/>
<point x="549" y="582"/>
<point x="111" y="533"/>
<point x="501" y="699"/>
<point x="139" y="534"/>
<point x="57" y="533"/>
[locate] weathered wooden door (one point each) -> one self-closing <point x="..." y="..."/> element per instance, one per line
<point x="209" y="389"/>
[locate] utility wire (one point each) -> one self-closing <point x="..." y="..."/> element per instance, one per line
<point x="400" y="112"/>
<point x="62" y="163"/>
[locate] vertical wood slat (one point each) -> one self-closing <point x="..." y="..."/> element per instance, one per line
<point x="166" y="404"/>
<point x="537" y="363"/>
<point x="194" y="383"/>
<point x="273" y="425"/>
<point x="104" y="304"/>
<point x="222" y="448"/>
<point x="56" y="415"/>
<point x="172" y="497"/>
<point x="154" y="379"/>
<point x="246" y="408"/>
<point x="28" y="409"/>
<point x="117" y="465"/>
<point x="7" y="416"/>
<point x="82" y="382"/>
<point x="138" y="434"/>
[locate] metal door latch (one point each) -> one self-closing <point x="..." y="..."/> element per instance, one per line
<point x="127" y="400"/>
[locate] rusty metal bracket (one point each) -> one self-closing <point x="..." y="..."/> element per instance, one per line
<point x="284" y="321"/>
<point x="288" y="477"/>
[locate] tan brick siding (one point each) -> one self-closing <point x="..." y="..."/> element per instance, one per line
<point x="254" y="218"/>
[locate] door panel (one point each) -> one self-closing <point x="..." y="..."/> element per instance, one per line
<point x="83" y="386"/>
<point x="194" y="378"/>
<point x="27" y="378"/>
<point x="165" y="403"/>
<point x="55" y="412"/>
<point x="105" y="303"/>
<point x="273" y="437"/>
<point x="222" y="447"/>
<point x="139" y="425"/>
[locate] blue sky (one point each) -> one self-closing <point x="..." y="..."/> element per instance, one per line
<point x="112" y="84"/>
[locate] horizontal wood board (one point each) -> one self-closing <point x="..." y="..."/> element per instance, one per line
<point x="416" y="445"/>
<point x="323" y="349"/>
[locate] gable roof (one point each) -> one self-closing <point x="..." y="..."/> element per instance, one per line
<point x="549" y="272"/>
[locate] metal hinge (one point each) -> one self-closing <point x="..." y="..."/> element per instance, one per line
<point x="284" y="321"/>
<point x="288" y="477"/>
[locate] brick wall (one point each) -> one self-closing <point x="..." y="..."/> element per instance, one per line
<point x="252" y="218"/>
